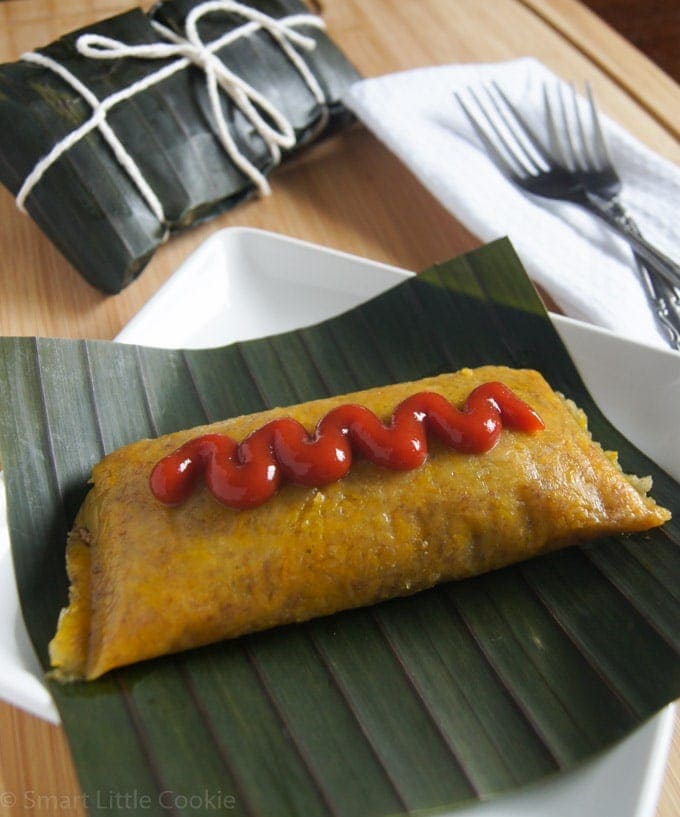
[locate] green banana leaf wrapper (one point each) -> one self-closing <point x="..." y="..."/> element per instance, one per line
<point x="415" y="706"/>
<point x="86" y="203"/>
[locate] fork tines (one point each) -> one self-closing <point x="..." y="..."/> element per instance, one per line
<point x="575" y="144"/>
<point x="510" y="140"/>
<point x="582" y="146"/>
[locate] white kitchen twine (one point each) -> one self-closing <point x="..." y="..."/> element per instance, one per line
<point x="191" y="50"/>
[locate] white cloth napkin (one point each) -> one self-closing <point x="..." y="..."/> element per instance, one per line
<point x="575" y="257"/>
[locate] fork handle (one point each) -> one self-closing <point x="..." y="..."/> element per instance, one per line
<point x="616" y="217"/>
<point x="663" y="298"/>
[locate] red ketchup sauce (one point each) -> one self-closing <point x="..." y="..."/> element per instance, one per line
<point x="244" y="475"/>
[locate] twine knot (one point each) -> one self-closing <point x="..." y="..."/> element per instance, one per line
<point x="268" y="121"/>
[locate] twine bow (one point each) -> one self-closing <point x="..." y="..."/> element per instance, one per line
<point x="270" y="123"/>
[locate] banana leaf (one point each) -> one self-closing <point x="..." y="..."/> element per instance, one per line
<point x="452" y="695"/>
<point x="86" y="203"/>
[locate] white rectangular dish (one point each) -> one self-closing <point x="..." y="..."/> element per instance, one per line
<point x="242" y="284"/>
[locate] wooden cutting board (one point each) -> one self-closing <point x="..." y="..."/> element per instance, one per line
<point x="349" y="194"/>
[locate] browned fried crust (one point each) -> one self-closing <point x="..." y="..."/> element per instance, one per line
<point x="148" y="580"/>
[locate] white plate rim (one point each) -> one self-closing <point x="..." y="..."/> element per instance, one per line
<point x="32" y="695"/>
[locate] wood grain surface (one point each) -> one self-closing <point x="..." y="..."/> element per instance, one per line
<point x="348" y="193"/>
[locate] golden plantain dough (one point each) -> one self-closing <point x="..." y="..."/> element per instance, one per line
<point x="147" y="579"/>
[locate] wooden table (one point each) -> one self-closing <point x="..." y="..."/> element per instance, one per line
<point x="349" y="193"/>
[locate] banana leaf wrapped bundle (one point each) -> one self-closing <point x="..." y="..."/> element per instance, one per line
<point x="121" y="133"/>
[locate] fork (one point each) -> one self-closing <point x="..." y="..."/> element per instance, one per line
<point x="575" y="169"/>
<point x="588" y="154"/>
<point x="538" y="171"/>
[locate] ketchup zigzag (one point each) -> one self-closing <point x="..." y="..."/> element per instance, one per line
<point x="244" y="475"/>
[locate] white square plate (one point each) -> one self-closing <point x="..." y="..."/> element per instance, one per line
<point x="242" y="284"/>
